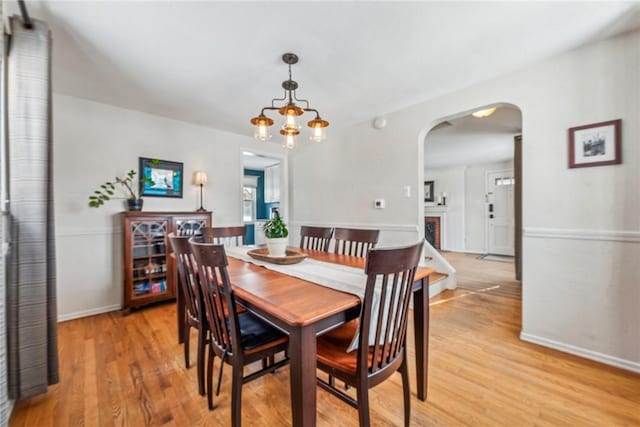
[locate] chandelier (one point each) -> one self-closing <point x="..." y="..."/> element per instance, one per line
<point x="291" y="112"/>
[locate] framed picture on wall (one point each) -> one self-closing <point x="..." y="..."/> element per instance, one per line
<point x="428" y="191"/>
<point x="160" y="178"/>
<point x="597" y="144"/>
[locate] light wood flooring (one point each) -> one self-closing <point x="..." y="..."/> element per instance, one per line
<point x="129" y="370"/>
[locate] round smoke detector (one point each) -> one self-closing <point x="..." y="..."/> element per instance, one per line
<point x="379" y="123"/>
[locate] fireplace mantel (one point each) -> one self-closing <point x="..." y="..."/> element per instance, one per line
<point x="436" y="209"/>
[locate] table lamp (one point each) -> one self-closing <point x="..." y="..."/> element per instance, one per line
<point x="200" y="178"/>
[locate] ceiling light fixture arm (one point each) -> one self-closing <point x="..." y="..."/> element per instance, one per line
<point x="268" y="108"/>
<point x="284" y="98"/>
<point x="312" y="110"/>
<point x="301" y="100"/>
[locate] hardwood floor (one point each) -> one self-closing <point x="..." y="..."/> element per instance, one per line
<point x="474" y="274"/>
<point x="129" y="370"/>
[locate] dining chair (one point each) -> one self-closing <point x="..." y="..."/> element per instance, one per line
<point x="239" y="339"/>
<point x="315" y="238"/>
<point x="355" y="242"/>
<point x="228" y="236"/>
<point x="194" y="316"/>
<point x="382" y="329"/>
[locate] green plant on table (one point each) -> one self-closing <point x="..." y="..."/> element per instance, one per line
<point x="275" y="228"/>
<point x="107" y="190"/>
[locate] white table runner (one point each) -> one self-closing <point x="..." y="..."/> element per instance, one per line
<point x="334" y="276"/>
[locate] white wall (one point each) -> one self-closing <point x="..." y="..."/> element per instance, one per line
<point x="337" y="181"/>
<point x="93" y="143"/>
<point x="565" y="211"/>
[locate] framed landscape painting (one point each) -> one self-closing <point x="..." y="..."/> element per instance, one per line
<point x="160" y="178"/>
<point x="597" y="144"/>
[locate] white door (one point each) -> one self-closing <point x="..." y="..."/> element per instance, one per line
<point x="501" y="233"/>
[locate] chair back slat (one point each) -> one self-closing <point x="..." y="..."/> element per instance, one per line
<point x="187" y="276"/>
<point x="315" y="238"/>
<point x="390" y="274"/>
<point x="355" y="242"/>
<point x="389" y="338"/>
<point x="219" y="300"/>
<point x="227" y="236"/>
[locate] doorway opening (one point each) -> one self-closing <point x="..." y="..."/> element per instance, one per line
<point x="472" y="177"/>
<point x="263" y="192"/>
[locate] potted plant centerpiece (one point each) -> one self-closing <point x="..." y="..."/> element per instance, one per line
<point x="276" y="233"/>
<point x="107" y="190"/>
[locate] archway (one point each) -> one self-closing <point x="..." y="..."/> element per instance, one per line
<point x="471" y="169"/>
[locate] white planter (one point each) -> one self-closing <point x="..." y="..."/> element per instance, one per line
<point x="278" y="246"/>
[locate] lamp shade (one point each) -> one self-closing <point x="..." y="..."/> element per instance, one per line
<point x="200" y="178"/>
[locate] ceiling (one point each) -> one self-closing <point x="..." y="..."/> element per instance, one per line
<point x="468" y="140"/>
<point x="218" y="63"/>
<point x="257" y="162"/>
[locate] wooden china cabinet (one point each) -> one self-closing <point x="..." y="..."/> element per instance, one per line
<point x="149" y="271"/>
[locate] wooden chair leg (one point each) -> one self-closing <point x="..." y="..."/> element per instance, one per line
<point x="224" y="356"/>
<point x="210" y="364"/>
<point x="187" y="332"/>
<point x="332" y="381"/>
<point x="363" y="405"/>
<point x="404" y="371"/>
<point x="202" y="342"/>
<point x="236" y="397"/>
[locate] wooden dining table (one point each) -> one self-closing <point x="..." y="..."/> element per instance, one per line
<point x="305" y="310"/>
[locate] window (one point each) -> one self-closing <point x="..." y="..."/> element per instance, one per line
<point x="248" y="204"/>
<point x="507" y="180"/>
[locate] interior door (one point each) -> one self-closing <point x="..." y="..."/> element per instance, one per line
<point x="500" y="211"/>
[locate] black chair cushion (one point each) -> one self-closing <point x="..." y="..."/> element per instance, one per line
<point x="255" y="332"/>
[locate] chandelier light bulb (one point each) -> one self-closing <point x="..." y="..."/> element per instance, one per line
<point x="289" y="138"/>
<point x="291" y="112"/>
<point x="291" y="122"/>
<point x="262" y="133"/>
<point x="262" y="127"/>
<point x="318" y="129"/>
<point x="290" y="141"/>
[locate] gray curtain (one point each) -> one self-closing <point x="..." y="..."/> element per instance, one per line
<point x="5" y="404"/>
<point x="32" y="351"/>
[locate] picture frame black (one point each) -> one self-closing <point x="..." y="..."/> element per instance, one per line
<point x="160" y="178"/>
<point x="429" y="191"/>
<point x="596" y="144"/>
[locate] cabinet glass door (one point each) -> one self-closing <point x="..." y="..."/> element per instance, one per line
<point x="149" y="257"/>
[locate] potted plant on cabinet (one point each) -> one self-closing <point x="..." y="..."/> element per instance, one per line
<point x="107" y="190"/>
<point x="276" y="233"/>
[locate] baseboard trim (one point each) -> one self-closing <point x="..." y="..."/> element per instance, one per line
<point x="582" y="352"/>
<point x="576" y="234"/>
<point x="466" y="251"/>
<point x="87" y="313"/>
